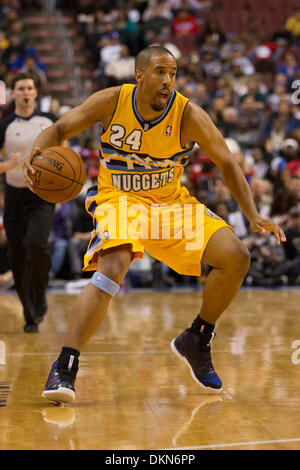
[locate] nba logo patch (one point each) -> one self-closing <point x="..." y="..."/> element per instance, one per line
<point x="168" y="131"/>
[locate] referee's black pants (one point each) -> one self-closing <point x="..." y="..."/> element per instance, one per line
<point x="28" y="221"/>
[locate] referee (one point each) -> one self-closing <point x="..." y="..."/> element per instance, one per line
<point x="27" y="218"/>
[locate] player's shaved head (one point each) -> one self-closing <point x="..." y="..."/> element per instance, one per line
<point x="144" y="57"/>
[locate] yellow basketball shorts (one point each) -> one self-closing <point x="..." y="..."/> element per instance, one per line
<point x="175" y="232"/>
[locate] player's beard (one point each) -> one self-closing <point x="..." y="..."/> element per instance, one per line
<point x="157" y="107"/>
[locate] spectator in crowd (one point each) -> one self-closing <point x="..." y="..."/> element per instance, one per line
<point x="217" y="110"/>
<point x="245" y="136"/>
<point x="292" y="245"/>
<point x="292" y="25"/>
<point x="232" y="42"/>
<point x="184" y="24"/>
<point x="262" y="191"/>
<point x="265" y="55"/>
<point x="133" y="12"/>
<point x="220" y="193"/>
<point x="120" y="70"/>
<point x="211" y="65"/>
<point x="241" y="60"/>
<point x="276" y="137"/>
<point x="277" y="95"/>
<point x="94" y="27"/>
<point x="47" y="101"/>
<point x="267" y="266"/>
<point x="201" y="170"/>
<point x="253" y="89"/>
<point x="212" y="29"/>
<point x="18" y="28"/>
<point x="256" y="117"/>
<point x="285" y="112"/>
<point x="15" y="49"/>
<point x="290" y="152"/>
<point x="230" y="117"/>
<point x="256" y="163"/>
<point x="29" y="62"/>
<point x="30" y="65"/>
<point x="59" y="236"/>
<point x="242" y="162"/>
<point x="284" y="200"/>
<point x="233" y="218"/>
<point x="195" y="6"/>
<point x="156" y="16"/>
<point x="157" y="9"/>
<point x="85" y="7"/>
<point x="147" y="272"/>
<point x="201" y="97"/>
<point x="10" y="11"/>
<point x="110" y="48"/>
<point x="289" y="67"/>
<point x="128" y="31"/>
<point x="272" y="265"/>
<point x="4" y="42"/>
<point x="294" y="186"/>
<point x="287" y="159"/>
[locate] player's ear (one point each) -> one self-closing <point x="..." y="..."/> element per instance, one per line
<point x="138" y="76"/>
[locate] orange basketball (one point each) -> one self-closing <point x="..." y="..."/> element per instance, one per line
<point x="59" y="174"/>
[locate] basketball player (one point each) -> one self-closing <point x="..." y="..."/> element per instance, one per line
<point x="148" y="133"/>
<point x="27" y="218"/>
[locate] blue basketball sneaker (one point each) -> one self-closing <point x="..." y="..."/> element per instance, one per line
<point x="193" y="347"/>
<point x="60" y="385"/>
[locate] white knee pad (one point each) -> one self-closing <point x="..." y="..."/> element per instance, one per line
<point x="104" y="283"/>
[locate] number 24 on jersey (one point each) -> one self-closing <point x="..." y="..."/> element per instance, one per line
<point x="134" y="139"/>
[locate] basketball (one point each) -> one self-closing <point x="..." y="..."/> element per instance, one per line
<point x="59" y="174"/>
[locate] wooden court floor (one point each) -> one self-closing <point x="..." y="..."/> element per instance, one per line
<point x="133" y="393"/>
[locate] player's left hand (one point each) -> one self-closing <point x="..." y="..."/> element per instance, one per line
<point x="262" y="225"/>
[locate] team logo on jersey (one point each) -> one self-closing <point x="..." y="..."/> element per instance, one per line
<point x="168" y="131"/>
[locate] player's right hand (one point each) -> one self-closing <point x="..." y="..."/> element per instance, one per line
<point x="28" y="169"/>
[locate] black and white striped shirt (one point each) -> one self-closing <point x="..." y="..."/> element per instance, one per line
<point x="17" y="134"/>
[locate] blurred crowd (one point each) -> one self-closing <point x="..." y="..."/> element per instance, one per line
<point x="247" y="80"/>
<point x="17" y="52"/>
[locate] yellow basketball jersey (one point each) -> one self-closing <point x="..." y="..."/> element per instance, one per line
<point x="140" y="168"/>
<point x="144" y="158"/>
